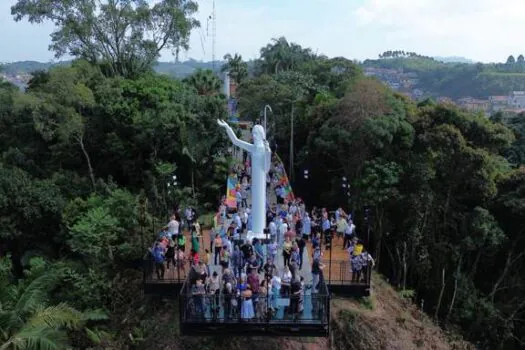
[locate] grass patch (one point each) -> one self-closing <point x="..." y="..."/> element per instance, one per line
<point x="407" y="294"/>
<point x="368" y="303"/>
<point x="348" y="319"/>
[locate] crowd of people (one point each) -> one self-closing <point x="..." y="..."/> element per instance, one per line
<point x="256" y="279"/>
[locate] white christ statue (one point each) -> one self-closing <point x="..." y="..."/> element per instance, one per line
<point x="261" y="156"/>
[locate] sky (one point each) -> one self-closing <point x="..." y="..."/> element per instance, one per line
<point x="482" y="30"/>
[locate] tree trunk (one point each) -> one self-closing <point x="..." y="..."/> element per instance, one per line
<point x="379" y="233"/>
<point x="88" y="160"/>
<point x="16" y="259"/>
<point x="404" y="283"/>
<point x="393" y="265"/>
<point x="475" y="264"/>
<point x="440" y="295"/>
<point x="451" y="307"/>
<point x="192" y="182"/>
<point x="508" y="265"/>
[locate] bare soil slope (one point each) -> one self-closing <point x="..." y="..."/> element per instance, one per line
<point x="386" y="321"/>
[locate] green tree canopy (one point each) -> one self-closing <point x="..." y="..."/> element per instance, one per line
<point x="126" y="36"/>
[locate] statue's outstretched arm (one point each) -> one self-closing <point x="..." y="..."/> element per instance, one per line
<point x="234" y="139"/>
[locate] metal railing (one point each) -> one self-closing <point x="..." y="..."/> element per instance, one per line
<point x="261" y="309"/>
<point x="176" y="272"/>
<point x="339" y="272"/>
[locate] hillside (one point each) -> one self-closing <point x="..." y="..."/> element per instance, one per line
<point x="176" y="69"/>
<point x="386" y="321"/>
<point x="457" y="80"/>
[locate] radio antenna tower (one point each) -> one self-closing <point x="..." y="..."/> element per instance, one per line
<point x="213" y="34"/>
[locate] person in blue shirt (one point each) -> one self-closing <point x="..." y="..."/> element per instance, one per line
<point x="158" y="257"/>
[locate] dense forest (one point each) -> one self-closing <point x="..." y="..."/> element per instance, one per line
<point x="456" y="80"/>
<point x="89" y="152"/>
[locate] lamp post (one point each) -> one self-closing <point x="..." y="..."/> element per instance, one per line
<point x="367" y="220"/>
<point x="270" y="108"/>
<point x="346" y="190"/>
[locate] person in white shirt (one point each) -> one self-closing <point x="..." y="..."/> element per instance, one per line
<point x="275" y="291"/>
<point x="173" y="226"/>
<point x="244" y="219"/>
<point x="273" y="230"/>
<point x="349" y="233"/>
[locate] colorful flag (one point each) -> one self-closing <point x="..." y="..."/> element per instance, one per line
<point x="231" y="200"/>
<point x="283" y="180"/>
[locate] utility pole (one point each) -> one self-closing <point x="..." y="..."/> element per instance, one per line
<point x="270" y="108"/>
<point x="213" y="35"/>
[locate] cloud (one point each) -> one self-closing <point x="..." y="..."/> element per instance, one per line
<point x="484" y="29"/>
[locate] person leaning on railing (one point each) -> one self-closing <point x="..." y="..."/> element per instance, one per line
<point x="368" y="262"/>
<point x="317" y="268"/>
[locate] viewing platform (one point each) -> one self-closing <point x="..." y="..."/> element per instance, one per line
<point x="199" y="315"/>
<point x="175" y="276"/>
<point x="338" y="272"/>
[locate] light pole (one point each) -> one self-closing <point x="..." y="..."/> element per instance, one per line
<point x="367" y="220"/>
<point x="346" y="190"/>
<point x="270" y="108"/>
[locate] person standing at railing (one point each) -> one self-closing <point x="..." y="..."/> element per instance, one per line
<point x="214" y="292"/>
<point x="296" y="304"/>
<point x="367" y="261"/>
<point x="275" y="291"/>
<point x="228" y="300"/>
<point x="349" y="233"/>
<point x="253" y="282"/>
<point x="170" y="253"/>
<point x="317" y="267"/>
<point x="198" y="292"/>
<point x="158" y="256"/>
<point x="357" y="268"/>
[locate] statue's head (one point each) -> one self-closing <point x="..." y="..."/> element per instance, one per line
<point x="258" y="134"/>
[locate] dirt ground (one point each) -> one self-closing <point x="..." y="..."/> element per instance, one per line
<point x="386" y="321"/>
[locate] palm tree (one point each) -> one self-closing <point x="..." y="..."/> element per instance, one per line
<point x="280" y="55"/>
<point x="28" y="322"/>
<point x="205" y="82"/>
<point x="237" y="68"/>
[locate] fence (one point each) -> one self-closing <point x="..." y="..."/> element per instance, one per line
<point x="172" y="273"/>
<point x="339" y="272"/>
<point x="300" y="309"/>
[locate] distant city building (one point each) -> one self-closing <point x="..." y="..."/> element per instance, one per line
<point x="498" y="103"/>
<point x="516" y="99"/>
<point x="417" y="93"/>
<point x="445" y="100"/>
<point x="474" y="105"/>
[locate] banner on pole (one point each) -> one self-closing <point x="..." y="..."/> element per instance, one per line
<point x="231" y="200"/>
<point x="283" y="179"/>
